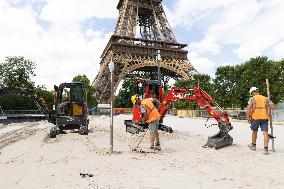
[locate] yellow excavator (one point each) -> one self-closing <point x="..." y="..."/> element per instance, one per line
<point x="68" y="112"/>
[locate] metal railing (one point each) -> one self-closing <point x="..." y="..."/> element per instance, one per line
<point x="2" y="115"/>
<point x="24" y="114"/>
<point x="8" y="112"/>
<point x="277" y="115"/>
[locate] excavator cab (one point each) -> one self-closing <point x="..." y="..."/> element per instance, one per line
<point x="69" y="107"/>
<point x="69" y="99"/>
<point x="149" y="89"/>
<point x="146" y="89"/>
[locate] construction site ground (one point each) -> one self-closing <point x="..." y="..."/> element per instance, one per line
<point x="30" y="159"/>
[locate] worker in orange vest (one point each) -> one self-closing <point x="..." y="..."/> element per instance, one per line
<point x="258" y="116"/>
<point x="152" y="118"/>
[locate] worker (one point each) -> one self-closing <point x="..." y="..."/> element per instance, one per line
<point x="138" y="117"/>
<point x="258" y="116"/>
<point x="152" y="118"/>
<point x="65" y="106"/>
<point x="155" y="100"/>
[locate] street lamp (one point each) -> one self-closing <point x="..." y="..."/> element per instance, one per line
<point x="158" y="63"/>
<point x="111" y="69"/>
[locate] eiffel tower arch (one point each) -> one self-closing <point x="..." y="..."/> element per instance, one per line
<point x="142" y="29"/>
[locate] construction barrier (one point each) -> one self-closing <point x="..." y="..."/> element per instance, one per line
<point x="174" y="111"/>
<point x="118" y="111"/>
<point x="277" y="115"/>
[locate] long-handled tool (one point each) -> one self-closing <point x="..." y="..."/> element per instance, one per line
<point x="138" y="144"/>
<point x="270" y="118"/>
<point x="87" y="176"/>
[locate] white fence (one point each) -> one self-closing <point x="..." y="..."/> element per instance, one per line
<point x="278" y="115"/>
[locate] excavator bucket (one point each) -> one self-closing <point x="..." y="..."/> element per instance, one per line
<point x="220" y="140"/>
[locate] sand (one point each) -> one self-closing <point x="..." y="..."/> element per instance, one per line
<point x="29" y="159"/>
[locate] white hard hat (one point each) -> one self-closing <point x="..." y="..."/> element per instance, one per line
<point x="253" y="89"/>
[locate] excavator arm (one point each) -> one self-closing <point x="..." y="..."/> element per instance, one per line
<point x="138" y="123"/>
<point x="222" y="138"/>
<point x="38" y="99"/>
<point x="202" y="98"/>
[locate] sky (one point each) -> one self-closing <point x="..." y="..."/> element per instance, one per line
<point x="66" y="37"/>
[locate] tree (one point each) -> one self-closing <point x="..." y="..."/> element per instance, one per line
<point x="226" y="87"/>
<point x="278" y="87"/>
<point x="232" y="83"/>
<point x="15" y="102"/>
<point x="255" y="72"/>
<point x="89" y="90"/>
<point x="128" y="89"/>
<point x="17" y="72"/>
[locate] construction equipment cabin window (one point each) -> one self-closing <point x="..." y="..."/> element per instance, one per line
<point x="77" y="94"/>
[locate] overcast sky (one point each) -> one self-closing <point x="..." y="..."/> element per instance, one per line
<point x="67" y="37"/>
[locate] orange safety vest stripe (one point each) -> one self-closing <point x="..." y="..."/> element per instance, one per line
<point x="152" y="112"/>
<point x="259" y="107"/>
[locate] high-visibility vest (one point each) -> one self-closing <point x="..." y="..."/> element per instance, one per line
<point x="259" y="107"/>
<point x="151" y="110"/>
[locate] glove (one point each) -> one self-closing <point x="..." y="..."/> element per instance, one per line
<point x="249" y="121"/>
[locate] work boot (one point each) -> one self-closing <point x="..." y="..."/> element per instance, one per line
<point x="152" y="147"/>
<point x="157" y="146"/>
<point x="265" y="152"/>
<point x="252" y="146"/>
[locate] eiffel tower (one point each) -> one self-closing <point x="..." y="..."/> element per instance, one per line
<point x="142" y="29"/>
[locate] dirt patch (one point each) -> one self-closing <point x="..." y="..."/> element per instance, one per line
<point x="19" y="134"/>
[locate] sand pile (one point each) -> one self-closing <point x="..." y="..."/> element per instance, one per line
<point x="29" y="159"/>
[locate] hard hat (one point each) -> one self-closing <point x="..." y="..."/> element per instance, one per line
<point x="253" y="89"/>
<point x="134" y="98"/>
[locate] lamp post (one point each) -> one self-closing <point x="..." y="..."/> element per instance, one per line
<point x="158" y="63"/>
<point x="111" y="69"/>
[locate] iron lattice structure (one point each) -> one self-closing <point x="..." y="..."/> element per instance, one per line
<point x="142" y="28"/>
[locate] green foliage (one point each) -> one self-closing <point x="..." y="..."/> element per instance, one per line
<point x="123" y="99"/>
<point x="89" y="91"/>
<point x="234" y="82"/>
<point x="47" y="96"/>
<point x="14" y="102"/>
<point x="17" y="72"/>
<point x="226" y="86"/>
<point x="203" y="81"/>
<point x="278" y="89"/>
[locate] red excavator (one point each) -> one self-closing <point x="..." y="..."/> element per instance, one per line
<point x="153" y="89"/>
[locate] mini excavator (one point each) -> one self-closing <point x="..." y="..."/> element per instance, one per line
<point x="68" y="109"/>
<point x="153" y="89"/>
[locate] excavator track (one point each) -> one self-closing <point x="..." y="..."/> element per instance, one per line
<point x="134" y="128"/>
